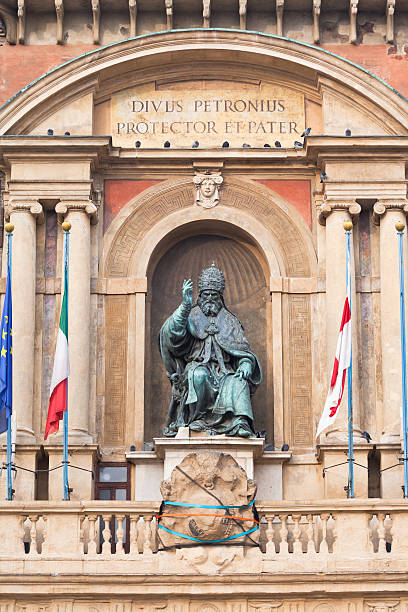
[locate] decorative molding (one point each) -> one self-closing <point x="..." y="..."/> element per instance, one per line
<point x="21" y="15"/>
<point x="353" y="21"/>
<point x="116" y="347"/>
<point x="242" y="14"/>
<point x="264" y="606"/>
<point x="133" y="17"/>
<point x="390" y="8"/>
<point x="316" y="21"/>
<point x="10" y="21"/>
<point x="169" y="14"/>
<point x="383" y="606"/>
<point x="86" y="206"/>
<point x="59" y="9"/>
<point x="381" y="207"/>
<point x="280" y="4"/>
<point x="96" y="15"/>
<point x="300" y="371"/>
<point x="69" y="77"/>
<point x="206" y="13"/>
<point x="24" y="205"/>
<point x="328" y="206"/>
<point x="157" y="203"/>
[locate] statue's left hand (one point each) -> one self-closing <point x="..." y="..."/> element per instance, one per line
<point x="244" y="370"/>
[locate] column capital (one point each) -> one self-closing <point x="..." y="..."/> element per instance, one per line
<point x="329" y="206"/>
<point x="81" y="205"/>
<point x="381" y="207"/>
<point x="27" y="205"/>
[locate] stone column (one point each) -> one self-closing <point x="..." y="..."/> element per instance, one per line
<point x="386" y="214"/>
<point x="333" y="214"/>
<point x="79" y="214"/>
<point x="23" y="215"/>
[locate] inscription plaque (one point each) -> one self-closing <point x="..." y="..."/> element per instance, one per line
<point x="210" y="116"/>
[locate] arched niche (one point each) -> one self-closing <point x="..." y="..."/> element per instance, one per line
<point x="278" y="242"/>
<point x="183" y="254"/>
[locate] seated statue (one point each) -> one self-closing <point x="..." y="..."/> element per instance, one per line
<point x="212" y="370"/>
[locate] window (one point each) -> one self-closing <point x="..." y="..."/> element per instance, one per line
<point x="113" y="484"/>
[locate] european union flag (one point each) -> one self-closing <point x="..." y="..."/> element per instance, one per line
<point x="6" y="358"/>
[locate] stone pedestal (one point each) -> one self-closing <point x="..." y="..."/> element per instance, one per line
<point x="392" y="475"/>
<point x="80" y="480"/>
<point x="23" y="481"/>
<point x="153" y="467"/>
<point x="336" y="478"/>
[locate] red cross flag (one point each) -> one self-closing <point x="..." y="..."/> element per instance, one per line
<point x="340" y="367"/>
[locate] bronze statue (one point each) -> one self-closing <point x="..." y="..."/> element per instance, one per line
<point x="212" y="370"/>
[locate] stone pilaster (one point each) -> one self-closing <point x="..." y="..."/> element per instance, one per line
<point x="23" y="214"/>
<point x="333" y="214"/>
<point x="386" y="214"/>
<point x="79" y="213"/>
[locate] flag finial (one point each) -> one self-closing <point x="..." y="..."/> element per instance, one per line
<point x="9" y="227"/>
<point x="66" y="226"/>
<point x="348" y="226"/>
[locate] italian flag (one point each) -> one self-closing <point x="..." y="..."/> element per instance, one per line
<point x="60" y="373"/>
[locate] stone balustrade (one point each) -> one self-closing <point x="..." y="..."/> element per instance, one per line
<point x="336" y="531"/>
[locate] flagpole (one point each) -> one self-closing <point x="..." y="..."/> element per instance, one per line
<point x="66" y="227"/>
<point x="9" y="229"/>
<point x="350" y="487"/>
<point x="400" y="230"/>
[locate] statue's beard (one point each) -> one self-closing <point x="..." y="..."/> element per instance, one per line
<point x="210" y="307"/>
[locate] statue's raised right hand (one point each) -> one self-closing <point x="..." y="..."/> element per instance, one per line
<point x="188" y="292"/>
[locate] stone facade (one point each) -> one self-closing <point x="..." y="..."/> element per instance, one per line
<point x="131" y="108"/>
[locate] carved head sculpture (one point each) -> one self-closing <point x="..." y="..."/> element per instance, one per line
<point x="207" y="478"/>
<point x="207" y="186"/>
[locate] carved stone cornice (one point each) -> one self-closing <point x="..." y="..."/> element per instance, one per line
<point x="381" y="207"/>
<point x="328" y="206"/>
<point x="85" y="206"/>
<point x="24" y="205"/>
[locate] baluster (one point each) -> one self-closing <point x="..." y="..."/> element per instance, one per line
<point x="134" y="535"/>
<point x="310" y="534"/>
<point x="33" y="534"/>
<point x="334" y="532"/>
<point x="270" y="545"/>
<point x="82" y="543"/>
<point x="391" y="532"/>
<point x="297" y="544"/>
<point x="283" y="546"/>
<point x="45" y="541"/>
<point x="93" y="535"/>
<point x="324" y="548"/>
<point x="120" y="535"/>
<point x="23" y="519"/>
<point x="381" y="533"/>
<point x="106" y="534"/>
<point x="147" y="547"/>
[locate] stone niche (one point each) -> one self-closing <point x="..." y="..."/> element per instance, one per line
<point x="246" y="295"/>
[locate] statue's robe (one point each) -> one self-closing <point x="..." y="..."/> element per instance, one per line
<point x="201" y="355"/>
